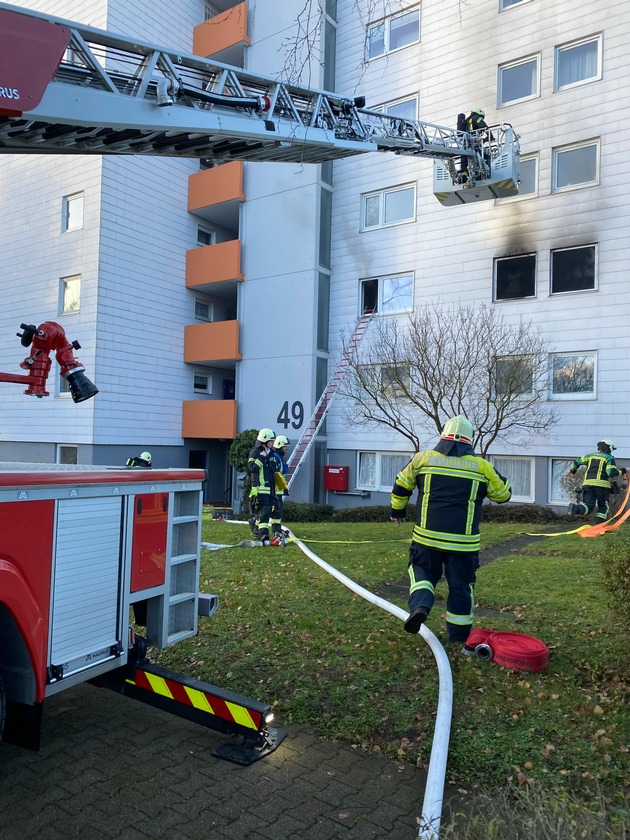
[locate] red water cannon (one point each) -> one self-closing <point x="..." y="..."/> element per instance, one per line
<point x="50" y="337"/>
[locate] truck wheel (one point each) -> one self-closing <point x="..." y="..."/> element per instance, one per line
<point x="3" y="707"/>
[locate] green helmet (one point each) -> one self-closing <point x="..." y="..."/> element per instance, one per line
<point x="265" y="435"/>
<point x="479" y="111"/>
<point x="458" y="428"/>
<point x="281" y="441"/>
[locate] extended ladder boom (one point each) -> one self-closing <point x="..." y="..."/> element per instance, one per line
<point x="304" y="444"/>
<point x="94" y="92"/>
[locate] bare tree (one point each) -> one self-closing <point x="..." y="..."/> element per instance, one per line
<point x="412" y="374"/>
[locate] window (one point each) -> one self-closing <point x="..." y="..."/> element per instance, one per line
<point x="330" y="53"/>
<point x="203" y="310"/>
<point x="69" y="294"/>
<point x="63" y="386"/>
<point x="514" y="376"/>
<point x="395" y="381"/>
<point x="575" y="166"/>
<point x="506" y="4"/>
<point x="325" y="226"/>
<point x="393" y="33"/>
<point x="323" y="311"/>
<point x="72" y="212"/>
<point x="528" y="184"/>
<point x="558" y="492"/>
<point x="205" y="236"/>
<point x="520" y="473"/>
<point x="378" y="470"/>
<point x="573" y="376"/>
<point x="202" y="383"/>
<point x="67" y="454"/>
<point x="578" y="62"/>
<point x="573" y="269"/>
<point x="519" y="80"/>
<point x="388" y="207"/>
<point x="406" y="109"/>
<point x="387" y="294"/>
<point x="515" y="277"/>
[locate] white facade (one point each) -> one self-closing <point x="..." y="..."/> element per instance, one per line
<point x="130" y="252"/>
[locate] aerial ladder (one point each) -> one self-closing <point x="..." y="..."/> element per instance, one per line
<point x="66" y="88"/>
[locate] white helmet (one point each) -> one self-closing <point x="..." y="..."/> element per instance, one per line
<point x="458" y="428"/>
<point x="281" y="441"/>
<point x="265" y="435"/>
<point x="609" y="443"/>
<point x="479" y="111"/>
<point x="146" y="456"/>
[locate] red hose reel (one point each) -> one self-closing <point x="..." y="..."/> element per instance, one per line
<point x="512" y="650"/>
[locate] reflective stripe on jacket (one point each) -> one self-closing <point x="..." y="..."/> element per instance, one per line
<point x="450" y="493"/>
<point x="261" y="471"/>
<point x="600" y="468"/>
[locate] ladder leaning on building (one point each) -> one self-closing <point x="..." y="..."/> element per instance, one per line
<point x="307" y="439"/>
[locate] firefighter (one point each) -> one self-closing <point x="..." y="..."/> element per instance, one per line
<point x="601" y="470"/>
<point x="452" y="483"/>
<point x="279" y="450"/>
<point x="475" y="121"/>
<point x="262" y="496"/>
<point x="143" y="461"/>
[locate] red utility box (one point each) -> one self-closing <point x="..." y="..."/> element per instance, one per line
<point x="336" y="478"/>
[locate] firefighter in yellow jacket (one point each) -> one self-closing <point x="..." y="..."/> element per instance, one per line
<point x="601" y="470"/>
<point x="452" y="483"/>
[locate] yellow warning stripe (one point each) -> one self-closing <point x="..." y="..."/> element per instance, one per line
<point x="159" y="685"/>
<point x="199" y="699"/>
<point x="241" y="715"/>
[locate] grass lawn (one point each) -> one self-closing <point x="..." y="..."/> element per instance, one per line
<point x="289" y="634"/>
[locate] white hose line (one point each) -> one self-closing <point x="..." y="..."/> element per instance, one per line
<point x="434" y="789"/>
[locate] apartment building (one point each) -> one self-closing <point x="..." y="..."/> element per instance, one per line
<point x="213" y="299"/>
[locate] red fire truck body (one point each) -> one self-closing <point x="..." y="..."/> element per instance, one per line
<point x="82" y="549"/>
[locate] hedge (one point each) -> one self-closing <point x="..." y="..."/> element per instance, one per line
<point x="615" y="560"/>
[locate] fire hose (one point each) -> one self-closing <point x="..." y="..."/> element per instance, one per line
<point x="512" y="650"/>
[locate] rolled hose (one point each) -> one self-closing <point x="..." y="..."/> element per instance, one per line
<point x="512" y="650"/>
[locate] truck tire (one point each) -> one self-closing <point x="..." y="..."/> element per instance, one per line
<point x="3" y="707"/>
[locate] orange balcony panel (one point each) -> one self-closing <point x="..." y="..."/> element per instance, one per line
<point x="209" y="419"/>
<point x="216" y="185"/>
<point x="221" y="32"/>
<point x="213" y="264"/>
<point x="213" y="342"/>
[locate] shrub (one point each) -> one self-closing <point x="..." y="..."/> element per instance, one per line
<point x="521" y="513"/>
<point x="370" y="513"/>
<point x="306" y="512"/>
<point x="615" y="560"/>
<point x="238" y="456"/>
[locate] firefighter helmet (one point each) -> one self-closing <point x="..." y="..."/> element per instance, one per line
<point x="609" y="443"/>
<point x="281" y="441"/>
<point x="479" y="111"/>
<point x="266" y="435"/>
<point x="146" y="456"/>
<point x="458" y="428"/>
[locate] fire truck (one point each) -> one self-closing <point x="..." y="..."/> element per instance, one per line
<point x="88" y="554"/>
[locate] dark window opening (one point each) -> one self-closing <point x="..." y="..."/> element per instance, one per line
<point x="573" y="270"/>
<point x="369" y="295"/>
<point x="515" y="277"/>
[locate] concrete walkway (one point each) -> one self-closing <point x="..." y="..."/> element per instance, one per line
<point x="111" y="767"/>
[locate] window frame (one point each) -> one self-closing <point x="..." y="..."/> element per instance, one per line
<point x="504" y="8"/>
<point x="386" y="23"/>
<point x="556" y="500"/>
<point x="595" y="287"/>
<point x="211" y="234"/>
<point x="382" y="194"/>
<point x="573" y="395"/>
<point x="496" y="262"/>
<point x="389" y="386"/>
<point x="532" y="475"/>
<point x="508" y="65"/>
<point x="379" y="293"/>
<point x="201" y="302"/>
<point x="535" y="157"/>
<point x="208" y="387"/>
<point x="525" y="395"/>
<point x="383" y="107"/>
<point x="378" y="486"/>
<point x="61" y="446"/>
<point x="65" y="211"/>
<point x="560" y="48"/>
<point x="580" y="185"/>
<point x="62" y="289"/>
